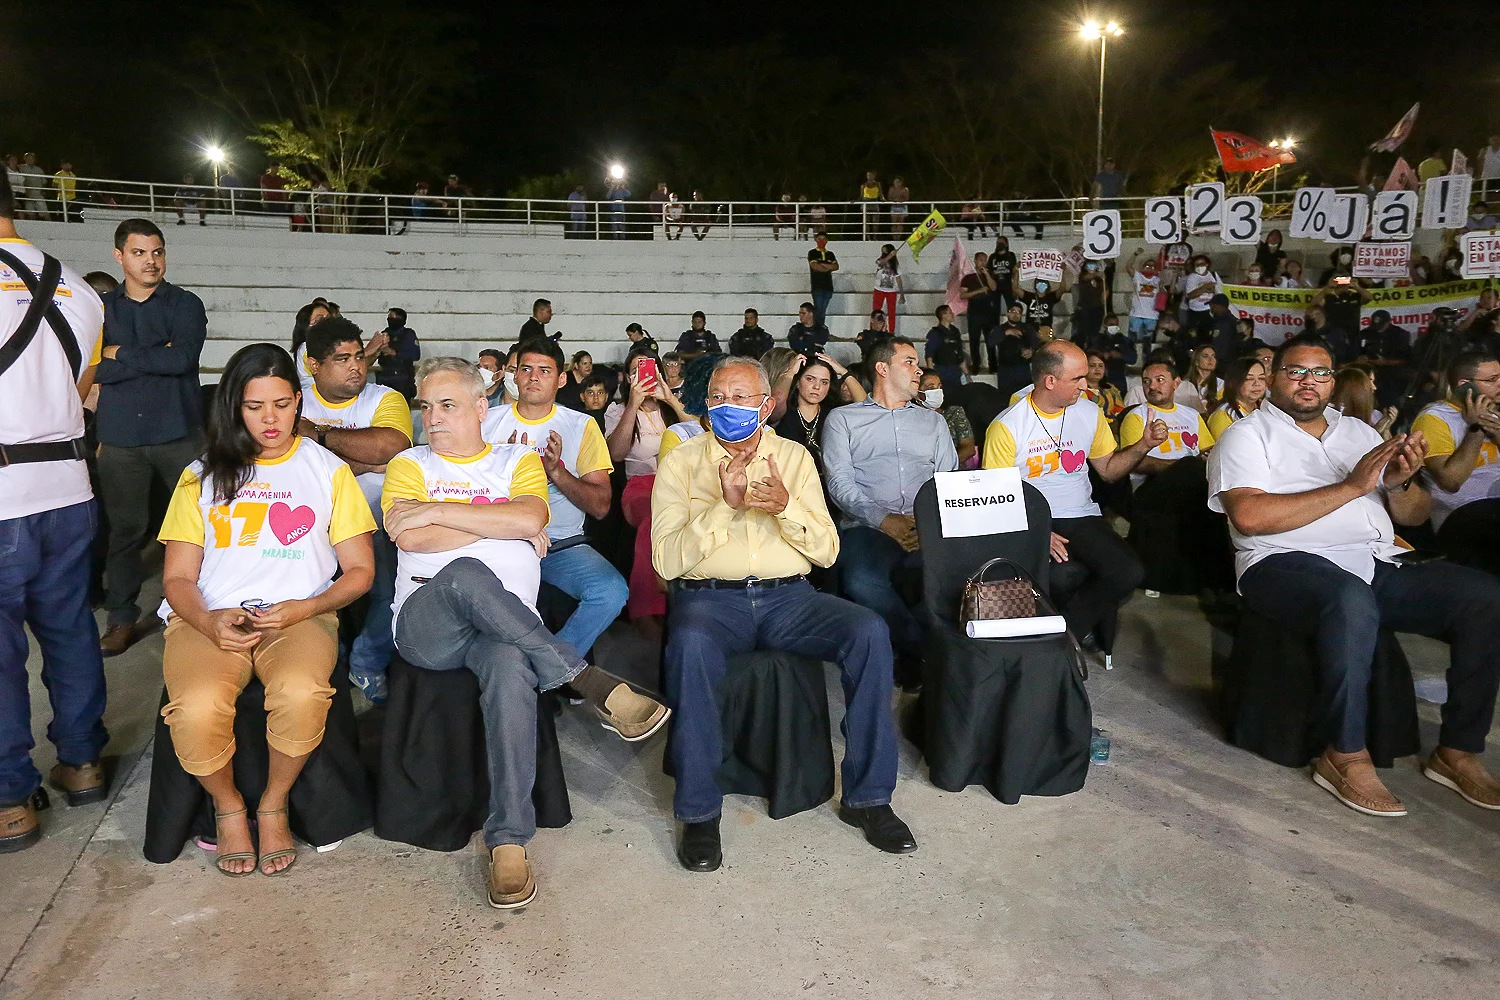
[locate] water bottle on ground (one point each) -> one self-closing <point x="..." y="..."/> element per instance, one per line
<point x="1099" y="746"/>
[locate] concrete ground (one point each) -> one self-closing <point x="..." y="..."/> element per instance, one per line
<point x="1185" y="868"/>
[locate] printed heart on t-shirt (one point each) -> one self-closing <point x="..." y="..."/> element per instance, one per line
<point x="289" y="525"/>
<point x="474" y="500"/>
<point x="1189" y="439"/>
<point x="1072" y="461"/>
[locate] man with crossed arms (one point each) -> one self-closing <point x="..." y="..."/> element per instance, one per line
<point x="1173" y="493"/>
<point x="1052" y="434"/>
<point x="366" y="425"/>
<point x="1311" y="495"/>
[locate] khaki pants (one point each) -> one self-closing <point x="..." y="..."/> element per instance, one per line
<point x="204" y="681"/>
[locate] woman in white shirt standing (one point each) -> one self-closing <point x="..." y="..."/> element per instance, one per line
<point x="254" y="533"/>
<point x="1199" y="285"/>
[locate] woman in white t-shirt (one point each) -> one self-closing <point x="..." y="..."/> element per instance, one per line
<point x="1199" y="285"/>
<point x="308" y="316"/>
<point x="633" y="429"/>
<point x="1202" y="376"/>
<point x="254" y="533"/>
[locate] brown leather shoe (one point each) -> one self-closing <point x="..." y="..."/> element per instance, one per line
<point x="19" y="828"/>
<point x="1463" y="773"/>
<point x="511" y="882"/>
<point x="82" y="784"/>
<point x="633" y="716"/>
<point x="1351" y="779"/>
<point x="116" y="639"/>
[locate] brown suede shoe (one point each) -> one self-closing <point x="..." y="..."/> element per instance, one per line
<point x="19" y="828"/>
<point x="82" y="784"/>
<point x="116" y="639"/>
<point x="633" y="716"/>
<point x="1463" y="773"/>
<point x="512" y="884"/>
<point x="1352" y="780"/>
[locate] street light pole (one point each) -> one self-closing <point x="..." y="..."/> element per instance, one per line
<point x="1089" y="31"/>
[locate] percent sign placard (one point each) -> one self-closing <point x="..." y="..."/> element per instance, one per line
<point x="1310" y="210"/>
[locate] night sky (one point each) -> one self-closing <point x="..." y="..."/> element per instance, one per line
<point x="557" y="85"/>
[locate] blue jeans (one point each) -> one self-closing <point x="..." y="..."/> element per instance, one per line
<point x="1457" y="604"/>
<point x="374" y="645"/>
<point x="597" y="586"/>
<point x="820" y="300"/>
<point x="45" y="576"/>
<point x="709" y="626"/>
<point x="464" y="618"/>
<point x="1142" y="329"/>
<point x="867" y="561"/>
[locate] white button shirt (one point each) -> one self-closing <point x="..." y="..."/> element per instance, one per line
<point x="1268" y="451"/>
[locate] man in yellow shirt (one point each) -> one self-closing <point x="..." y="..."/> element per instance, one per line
<point x="65" y="182"/>
<point x="1171" y="527"/>
<point x="737" y="520"/>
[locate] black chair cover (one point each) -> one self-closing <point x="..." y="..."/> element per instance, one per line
<point x="330" y="801"/>
<point x="773" y="708"/>
<point x="1010" y="714"/>
<point x="1178" y="539"/>
<point x="1268" y="696"/>
<point x="433" y="788"/>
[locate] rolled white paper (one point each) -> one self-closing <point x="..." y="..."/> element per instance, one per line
<point x="1011" y="628"/>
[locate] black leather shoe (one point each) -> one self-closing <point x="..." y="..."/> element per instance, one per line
<point x="882" y="827"/>
<point x="699" y="849"/>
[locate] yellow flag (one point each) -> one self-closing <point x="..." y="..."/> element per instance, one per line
<point x="926" y="233"/>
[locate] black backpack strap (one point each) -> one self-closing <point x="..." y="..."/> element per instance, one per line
<point x="42" y="306"/>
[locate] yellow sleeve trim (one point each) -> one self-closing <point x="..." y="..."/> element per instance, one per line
<point x="403" y="481"/>
<point x="1218" y="422"/>
<point x="1205" y="435"/>
<point x="1439" y="435"/>
<point x="351" y="513"/>
<point x="999" y="447"/>
<point x="184" y="520"/>
<point x="393" y="412"/>
<point x="1132" y="428"/>
<point x="593" y="453"/>
<point x="529" y="479"/>
<point x="98" y="354"/>
<point x="1104" y="439"/>
<point x="669" y="440"/>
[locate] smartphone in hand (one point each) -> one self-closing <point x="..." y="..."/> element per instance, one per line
<point x="647" y="374"/>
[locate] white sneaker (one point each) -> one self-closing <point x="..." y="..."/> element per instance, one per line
<point x="1153" y="593"/>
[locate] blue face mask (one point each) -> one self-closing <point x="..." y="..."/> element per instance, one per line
<point x="733" y="423"/>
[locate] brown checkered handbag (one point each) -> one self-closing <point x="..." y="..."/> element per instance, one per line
<point x="987" y="600"/>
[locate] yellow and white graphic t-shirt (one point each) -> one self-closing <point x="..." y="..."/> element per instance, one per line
<point x="1052" y="450"/>
<point x="1224" y="417"/>
<point x="273" y="542"/>
<point x="39" y="393"/>
<point x="678" y="434"/>
<point x="583" y="451"/>
<point x="1442" y="424"/>
<point x="375" y="406"/>
<point x="497" y="474"/>
<point x="1187" y="433"/>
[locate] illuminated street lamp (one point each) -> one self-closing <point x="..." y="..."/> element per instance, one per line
<point x="1089" y="31"/>
<point x="616" y="172"/>
<point x="215" y="155"/>
<point x="1287" y="143"/>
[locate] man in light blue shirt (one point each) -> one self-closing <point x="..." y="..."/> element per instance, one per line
<point x="876" y="455"/>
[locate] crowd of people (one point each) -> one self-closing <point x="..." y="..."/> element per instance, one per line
<point x="759" y="498"/>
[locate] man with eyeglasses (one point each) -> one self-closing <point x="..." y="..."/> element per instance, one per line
<point x="737" y="521"/>
<point x="1311" y="496"/>
<point x="877" y="454"/>
<point x="1463" y="461"/>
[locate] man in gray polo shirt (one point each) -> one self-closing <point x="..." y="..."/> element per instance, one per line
<point x="876" y="455"/>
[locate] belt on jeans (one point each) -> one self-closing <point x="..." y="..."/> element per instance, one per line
<point x="49" y="451"/>
<point x="745" y="584"/>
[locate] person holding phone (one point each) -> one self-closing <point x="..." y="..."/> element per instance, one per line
<point x="255" y="531"/>
<point x="633" y="430"/>
<point x="1463" y="461"/>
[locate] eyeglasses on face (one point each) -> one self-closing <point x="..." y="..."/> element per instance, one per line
<point x="1298" y="373"/>
<point x="738" y="399"/>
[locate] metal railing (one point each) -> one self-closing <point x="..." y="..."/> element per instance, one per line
<point x="324" y="211"/>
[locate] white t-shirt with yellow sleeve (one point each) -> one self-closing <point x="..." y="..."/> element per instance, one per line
<point x="1052" y="450"/>
<point x="375" y="406"/>
<point x="1442" y="424"/>
<point x="39" y="400"/>
<point x="1187" y="433"/>
<point x="583" y="451"/>
<point x="675" y="435"/>
<point x="274" y="541"/>
<point x="497" y="474"/>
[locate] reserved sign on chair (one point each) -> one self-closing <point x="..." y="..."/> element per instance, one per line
<point x="980" y="502"/>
